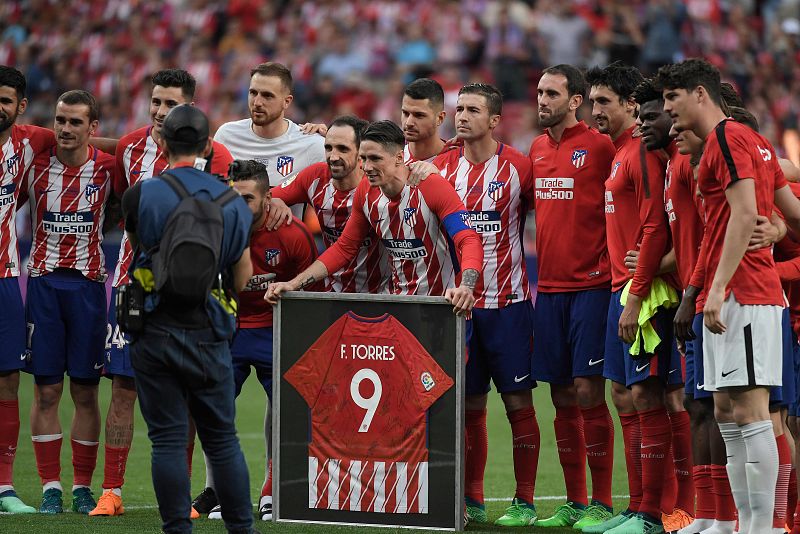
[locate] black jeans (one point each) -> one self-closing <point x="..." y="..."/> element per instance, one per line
<point x="181" y="372"/>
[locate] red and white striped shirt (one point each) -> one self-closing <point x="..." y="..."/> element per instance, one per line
<point x="414" y="227"/>
<point x="368" y="451"/>
<point x="138" y="157"/>
<point x="497" y="194"/>
<point x="15" y="156"/>
<point x="368" y="271"/>
<point x="68" y="206"/>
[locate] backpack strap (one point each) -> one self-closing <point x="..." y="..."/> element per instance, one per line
<point x="226" y="197"/>
<point x="175" y="184"/>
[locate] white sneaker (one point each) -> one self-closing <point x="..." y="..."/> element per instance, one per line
<point x="215" y="513"/>
<point x="265" y="508"/>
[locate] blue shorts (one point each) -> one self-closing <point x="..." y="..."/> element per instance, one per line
<point x="66" y="316"/>
<point x="569" y="335"/>
<point x="620" y="367"/>
<point x="500" y="349"/>
<point x="13" y="355"/>
<point x="794" y="407"/>
<point x="786" y="393"/>
<point x="118" y="356"/>
<point x="252" y="347"/>
<point x="695" y="378"/>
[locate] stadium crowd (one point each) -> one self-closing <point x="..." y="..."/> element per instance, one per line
<point x="356" y="56"/>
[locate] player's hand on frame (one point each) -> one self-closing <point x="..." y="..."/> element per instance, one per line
<point x="275" y="290"/>
<point x="631" y="260"/>
<point x="462" y="298"/>
<point x="278" y="213"/>
<point x="310" y="128"/>
<point x="419" y="171"/>
<point x="712" y="312"/>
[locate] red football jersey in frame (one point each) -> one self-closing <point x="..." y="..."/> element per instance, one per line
<point x="368" y="383"/>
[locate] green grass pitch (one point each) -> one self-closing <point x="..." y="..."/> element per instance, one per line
<point x="141" y="516"/>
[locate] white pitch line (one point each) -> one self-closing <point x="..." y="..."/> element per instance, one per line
<point x="487" y="499"/>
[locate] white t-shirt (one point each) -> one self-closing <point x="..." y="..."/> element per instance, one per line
<point x="284" y="156"/>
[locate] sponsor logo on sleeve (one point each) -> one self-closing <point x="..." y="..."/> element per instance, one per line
<point x="427" y="381"/>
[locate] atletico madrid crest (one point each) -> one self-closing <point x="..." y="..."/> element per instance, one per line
<point x="579" y="158"/>
<point x="92" y="193"/>
<point x="285" y="164"/>
<point x="410" y="216"/>
<point x="495" y="190"/>
<point x="272" y="255"/>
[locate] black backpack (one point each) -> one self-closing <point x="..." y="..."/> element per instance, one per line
<point x="186" y="262"/>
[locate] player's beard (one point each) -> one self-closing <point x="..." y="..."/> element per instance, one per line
<point x="554" y="117"/>
<point x="7" y="121"/>
<point x="341" y="172"/>
<point x="265" y="118"/>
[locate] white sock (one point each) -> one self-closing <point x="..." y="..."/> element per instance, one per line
<point x="4" y="489"/>
<point x="209" y="474"/>
<point x="762" y="472"/>
<point x="720" y="527"/>
<point x="737" y="457"/>
<point x="696" y="526"/>
<point x="115" y="491"/>
<point x="78" y="486"/>
<point x="52" y="484"/>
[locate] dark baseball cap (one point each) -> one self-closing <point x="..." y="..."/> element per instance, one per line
<point x="185" y="124"/>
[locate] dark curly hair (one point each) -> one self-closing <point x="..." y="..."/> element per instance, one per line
<point x="689" y="75"/>
<point x="619" y="77"/>
<point x="647" y="92"/>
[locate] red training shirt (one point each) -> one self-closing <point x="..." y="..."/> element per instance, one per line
<point x="569" y="180"/>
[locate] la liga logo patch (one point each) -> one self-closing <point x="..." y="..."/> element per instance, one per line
<point x="427" y="381"/>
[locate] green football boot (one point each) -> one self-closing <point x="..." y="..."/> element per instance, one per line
<point x="565" y="515"/>
<point x="594" y="515"/>
<point x="52" y="502"/>
<point x="519" y="514"/>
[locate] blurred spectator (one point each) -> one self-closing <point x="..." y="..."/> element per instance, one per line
<point x="357" y="55"/>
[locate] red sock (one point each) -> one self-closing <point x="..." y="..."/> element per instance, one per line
<point x="598" y="429"/>
<point x="723" y="499"/>
<point x="9" y="434"/>
<point x="572" y="452"/>
<point x="782" y="487"/>
<point x="632" y="437"/>
<point x="48" y="459"/>
<point x="669" y="490"/>
<point x="525" y="448"/>
<point x="682" y="456"/>
<point x="477" y="449"/>
<point x="84" y="460"/>
<point x="189" y="456"/>
<point x="796" y="514"/>
<point x="114" y="472"/>
<point x="266" y="489"/>
<point x="791" y="501"/>
<point x="656" y="444"/>
<point x="705" y="492"/>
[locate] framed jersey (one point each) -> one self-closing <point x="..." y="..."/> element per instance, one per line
<point x="369" y="403"/>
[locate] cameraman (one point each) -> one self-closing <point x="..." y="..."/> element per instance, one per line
<point x="181" y="354"/>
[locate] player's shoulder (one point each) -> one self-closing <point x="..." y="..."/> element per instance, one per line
<point x="314" y="171"/>
<point x="232" y="127"/>
<point x="104" y="159"/>
<point x="221" y="151"/>
<point x="511" y="154"/>
<point x="34" y="134"/>
<point x="434" y="184"/>
<point x="297" y="136"/>
<point x="297" y="231"/>
<point x="598" y="140"/>
<point x="134" y="137"/>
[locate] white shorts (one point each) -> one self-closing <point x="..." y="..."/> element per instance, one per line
<point x="749" y="352"/>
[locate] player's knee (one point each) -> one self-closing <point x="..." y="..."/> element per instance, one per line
<point x="517" y="400"/>
<point x="647" y="397"/>
<point x="9" y="385"/>
<point x="48" y="397"/>
<point x="563" y="396"/>
<point x="84" y="396"/>
<point x="590" y="391"/>
<point x="621" y="397"/>
<point x="476" y="402"/>
<point x="675" y="400"/>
